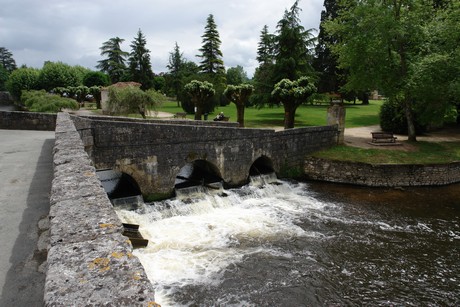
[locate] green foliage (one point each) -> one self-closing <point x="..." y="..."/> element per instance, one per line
<point x="292" y="94"/>
<point x="40" y="101"/>
<point x="131" y="99"/>
<point x="6" y="60"/>
<point x="58" y="74"/>
<point x="266" y="47"/>
<point x="239" y="95"/>
<point x="22" y="79"/>
<point x="114" y="63"/>
<point x="211" y="54"/>
<point x="236" y="75"/>
<point x="200" y="93"/>
<point x="140" y="68"/>
<point x="95" y="78"/>
<point x="393" y="118"/>
<point x="4" y="75"/>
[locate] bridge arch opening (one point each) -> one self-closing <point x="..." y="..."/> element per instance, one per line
<point x="198" y="173"/>
<point x="118" y="184"/>
<point x="261" y="166"/>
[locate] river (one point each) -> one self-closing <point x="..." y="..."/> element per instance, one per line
<point x="303" y="244"/>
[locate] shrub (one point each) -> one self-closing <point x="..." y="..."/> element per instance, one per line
<point x="40" y="101"/>
<point x="393" y="118"/>
<point x="132" y="99"/>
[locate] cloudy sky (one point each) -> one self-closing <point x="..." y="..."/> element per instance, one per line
<point x="72" y="31"/>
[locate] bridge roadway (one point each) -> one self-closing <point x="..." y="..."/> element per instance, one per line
<point x="26" y="172"/>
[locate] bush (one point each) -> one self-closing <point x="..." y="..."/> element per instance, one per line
<point x="40" y="101"/>
<point x="393" y="118"/>
<point x="132" y="99"/>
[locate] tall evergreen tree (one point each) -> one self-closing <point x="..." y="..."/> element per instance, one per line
<point x="175" y="65"/>
<point x="266" y="47"/>
<point x="325" y="62"/>
<point x="211" y="55"/>
<point x="6" y="60"/>
<point x="114" y="63"/>
<point x="140" y="68"/>
<point x="293" y="46"/>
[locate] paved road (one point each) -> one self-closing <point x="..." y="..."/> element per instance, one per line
<point x="25" y="183"/>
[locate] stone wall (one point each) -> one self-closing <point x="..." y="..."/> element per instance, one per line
<point x="382" y="175"/>
<point x="15" y="120"/>
<point x="153" y="154"/>
<point x="90" y="262"/>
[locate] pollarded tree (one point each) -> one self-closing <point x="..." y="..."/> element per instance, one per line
<point x="140" y="68"/>
<point x="212" y="63"/>
<point x="200" y="93"/>
<point x="292" y="94"/>
<point x="6" y="60"/>
<point x="239" y="95"/>
<point x="114" y="63"/>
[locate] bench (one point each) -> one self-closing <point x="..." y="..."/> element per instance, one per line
<point x="383" y="137"/>
<point x="180" y="115"/>
<point x="225" y="119"/>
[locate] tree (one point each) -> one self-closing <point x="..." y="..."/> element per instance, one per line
<point x="131" y="99"/>
<point x="58" y="74"/>
<point x="200" y="93"/>
<point x="22" y="79"/>
<point x="292" y="94"/>
<point x="140" y="67"/>
<point x="114" y="63"/>
<point x="381" y="44"/>
<point x="175" y="65"/>
<point x="292" y="46"/>
<point x="41" y="101"/>
<point x="6" y="60"/>
<point x="211" y="54"/>
<point x="236" y="75"/>
<point x="3" y="78"/>
<point x="325" y="62"/>
<point x="266" y="47"/>
<point x="239" y="95"/>
<point x="95" y="78"/>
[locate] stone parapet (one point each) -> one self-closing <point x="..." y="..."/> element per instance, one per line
<point x="382" y="175"/>
<point x="16" y="120"/>
<point x="90" y="262"/>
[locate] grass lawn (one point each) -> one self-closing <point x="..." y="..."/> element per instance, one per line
<point x="306" y="115"/>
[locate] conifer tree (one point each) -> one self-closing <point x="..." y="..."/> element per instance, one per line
<point x="6" y="60"/>
<point x="140" y="68"/>
<point x="211" y="55"/>
<point x="114" y="63"/>
<point x="175" y="65"/>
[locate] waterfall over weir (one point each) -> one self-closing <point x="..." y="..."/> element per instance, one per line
<point x="281" y="243"/>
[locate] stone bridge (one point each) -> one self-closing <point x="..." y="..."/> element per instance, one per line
<point x="154" y="152"/>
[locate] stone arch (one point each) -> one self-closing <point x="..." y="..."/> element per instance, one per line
<point x="260" y="166"/>
<point x="197" y="172"/>
<point x="118" y="184"/>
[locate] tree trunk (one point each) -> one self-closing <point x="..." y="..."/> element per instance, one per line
<point x="289" y="115"/>
<point x="411" y="135"/>
<point x="240" y="114"/>
<point x="198" y="112"/>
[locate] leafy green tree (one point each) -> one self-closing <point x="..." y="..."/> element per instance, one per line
<point x="293" y="45"/>
<point x="22" y="79"/>
<point x="95" y="78"/>
<point x="239" y="95"/>
<point x="6" y="60"/>
<point x="384" y="45"/>
<point x="200" y="93"/>
<point x="236" y="75"/>
<point x="292" y="94"/>
<point x="114" y="63"/>
<point x="58" y="74"/>
<point x="131" y="99"/>
<point x="140" y="68"/>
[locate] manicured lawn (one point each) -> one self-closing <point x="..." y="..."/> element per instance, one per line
<point x="425" y="153"/>
<point x="306" y="115"/>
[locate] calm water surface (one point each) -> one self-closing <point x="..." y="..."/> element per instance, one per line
<point x="304" y="244"/>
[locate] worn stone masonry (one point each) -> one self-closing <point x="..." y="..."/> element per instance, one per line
<point x="15" y="120"/>
<point x="153" y="154"/>
<point x="90" y="263"/>
<point x="382" y="175"/>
